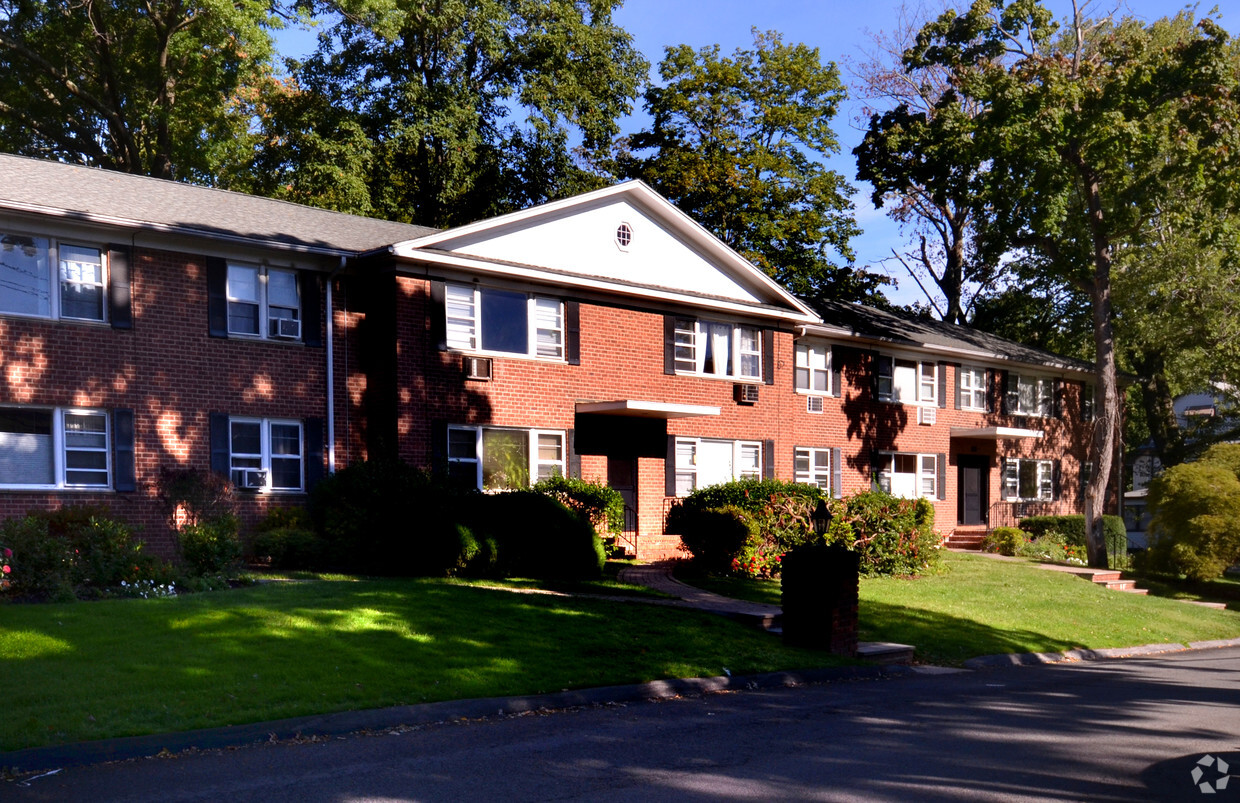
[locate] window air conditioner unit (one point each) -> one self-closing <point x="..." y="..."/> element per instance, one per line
<point x="478" y="368"/>
<point x="249" y="479"/>
<point x="284" y="328"/>
<point x="813" y="404"/>
<point x="926" y="415"/>
<point x="745" y="394"/>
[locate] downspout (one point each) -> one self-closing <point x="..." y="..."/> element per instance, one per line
<point x="331" y="370"/>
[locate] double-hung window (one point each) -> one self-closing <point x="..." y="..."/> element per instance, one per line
<point x="263" y="302"/>
<point x="973" y="388"/>
<point x="813" y="368"/>
<point x="47" y="278"/>
<point x="813" y="467"/>
<point x="265" y="454"/>
<point x="504" y="322"/>
<point x="908" y="475"/>
<point x="714" y="348"/>
<point x="701" y="462"/>
<point x="54" y="448"/>
<point x="1087" y="401"/>
<point x="1028" y="480"/>
<point x="1030" y="395"/>
<point x="504" y="459"/>
<point x="907" y="381"/>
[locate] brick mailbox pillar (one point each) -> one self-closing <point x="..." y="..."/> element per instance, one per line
<point x="819" y="598"/>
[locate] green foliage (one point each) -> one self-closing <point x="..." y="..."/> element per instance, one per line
<point x="1053" y="547"/>
<point x="192" y="495"/>
<point x="740" y="144"/>
<point x="718" y="537"/>
<point x="40" y="563"/>
<point x="894" y="536"/>
<point x="748" y="494"/>
<point x="1195" y="522"/>
<point x="602" y="505"/>
<point x="527" y="534"/>
<point x="210" y="547"/>
<point x="1072" y="528"/>
<point x="1005" y="540"/>
<point x="289" y="548"/>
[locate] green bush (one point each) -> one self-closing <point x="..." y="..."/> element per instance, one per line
<point x="1195" y="521"/>
<point x="527" y="534"/>
<point x="893" y="536"/>
<point x="748" y="495"/>
<point x="1053" y="547"/>
<point x="193" y="495"/>
<point x="41" y="565"/>
<point x="1004" y="540"/>
<point x="600" y="504"/>
<point x="1072" y="528"/>
<point x="289" y="548"/>
<point x="715" y="537"/>
<point x="210" y="547"/>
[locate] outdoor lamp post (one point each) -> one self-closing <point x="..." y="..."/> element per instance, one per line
<point x="821" y="517"/>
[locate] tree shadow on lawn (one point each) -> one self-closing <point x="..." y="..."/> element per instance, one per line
<point x="941" y="638"/>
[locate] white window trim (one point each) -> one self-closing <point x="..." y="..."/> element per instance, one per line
<point x="810" y="350"/>
<point x="532" y="448"/>
<point x="265" y="455"/>
<point x="1044" y="388"/>
<point x="919" y="366"/>
<point x="473" y="342"/>
<point x="690" y="339"/>
<point x="815" y="476"/>
<point x="59" y="456"/>
<point x="923" y="476"/>
<point x="1089" y="401"/>
<point x="264" y="303"/>
<point x="1045" y="479"/>
<point x="55" y="312"/>
<point x="984" y="388"/>
<point x="738" y="448"/>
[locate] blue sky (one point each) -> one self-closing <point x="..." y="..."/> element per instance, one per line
<point x="840" y="30"/>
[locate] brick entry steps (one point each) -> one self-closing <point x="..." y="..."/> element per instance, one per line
<point x="966" y="539"/>
<point x="1107" y="578"/>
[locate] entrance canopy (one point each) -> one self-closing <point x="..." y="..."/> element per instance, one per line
<point x="635" y="408"/>
<point x="994" y="433"/>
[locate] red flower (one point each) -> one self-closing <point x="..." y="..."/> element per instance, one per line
<point x="7" y="569"/>
<point x="8" y="553"/>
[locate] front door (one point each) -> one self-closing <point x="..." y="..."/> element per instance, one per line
<point x="622" y="476"/>
<point x="973" y="491"/>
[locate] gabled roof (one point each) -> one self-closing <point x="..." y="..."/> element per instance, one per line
<point x="139" y="202"/>
<point x="881" y="326"/>
<point x="575" y="241"/>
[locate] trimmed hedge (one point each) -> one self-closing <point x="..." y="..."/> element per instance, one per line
<point x="1072" y="528"/>
<point x="528" y="534"/>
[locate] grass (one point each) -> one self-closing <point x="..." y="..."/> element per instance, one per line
<point x="980" y="606"/>
<point x="83" y="671"/>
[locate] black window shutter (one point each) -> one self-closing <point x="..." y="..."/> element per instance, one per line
<point x="669" y="468"/>
<point x="1003" y="391"/>
<point x="311" y="317"/>
<point x="313" y="457"/>
<point x="124" y="477"/>
<point x="1057" y="399"/>
<point x="874" y="462"/>
<point x="1087" y="410"/>
<point x="439" y="316"/>
<point x="120" y="290"/>
<point x="943" y="385"/>
<point x="768" y="356"/>
<point x="574" y="459"/>
<point x="874" y="358"/>
<point x="837" y="475"/>
<point x="768" y="460"/>
<point x="940" y="482"/>
<point x="217" y="297"/>
<point x="221" y="451"/>
<point x="1055" y="480"/>
<point x="837" y="364"/>
<point x="439" y="448"/>
<point x="669" y="347"/>
<point x="988" y="378"/>
<point x="572" y="332"/>
<point x="959" y="371"/>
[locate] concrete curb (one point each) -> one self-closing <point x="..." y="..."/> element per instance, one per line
<point x="1034" y="658"/>
<point x="39" y="759"/>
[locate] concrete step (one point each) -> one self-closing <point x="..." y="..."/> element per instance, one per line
<point x="881" y="652"/>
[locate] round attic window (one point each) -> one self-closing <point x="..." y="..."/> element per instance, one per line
<point x="624" y="236"/>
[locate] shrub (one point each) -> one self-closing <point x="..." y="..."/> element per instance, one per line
<point x="600" y="504"/>
<point x="527" y="534"/>
<point x="5" y="569"/>
<point x="1195" y="522"/>
<point x="893" y="536"/>
<point x="192" y="496"/>
<point x="210" y="547"/>
<point x="1072" y="528"/>
<point x="715" y="537"/>
<point x="1052" y="547"/>
<point x="289" y="548"/>
<point x="40" y="562"/>
<point x="105" y="555"/>
<point x="1004" y="540"/>
<point x="748" y="495"/>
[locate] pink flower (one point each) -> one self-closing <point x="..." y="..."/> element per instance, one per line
<point x="8" y="553"/>
<point x="7" y="569"/>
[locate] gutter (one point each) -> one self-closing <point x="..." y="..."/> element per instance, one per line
<point x="331" y="369"/>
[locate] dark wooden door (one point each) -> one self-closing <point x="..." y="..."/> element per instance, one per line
<point x="973" y="495"/>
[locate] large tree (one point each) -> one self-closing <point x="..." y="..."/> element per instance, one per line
<point x="1081" y="130"/>
<point x="132" y="85"/>
<point x="468" y="109"/>
<point x="739" y="144"/>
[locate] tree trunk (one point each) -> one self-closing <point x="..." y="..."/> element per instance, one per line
<point x="1159" y="407"/>
<point x="1106" y="423"/>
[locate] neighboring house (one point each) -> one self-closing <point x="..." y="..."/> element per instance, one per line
<point x="147" y="325"/>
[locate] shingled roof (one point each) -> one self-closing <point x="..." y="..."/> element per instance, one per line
<point x="909" y="330"/>
<point x="141" y="202"/>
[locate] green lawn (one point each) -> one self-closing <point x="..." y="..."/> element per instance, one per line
<point x="122" y="667"/>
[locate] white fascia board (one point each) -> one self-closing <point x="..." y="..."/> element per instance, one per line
<point x="475" y="265"/>
<point x="641" y="193"/>
<point x="994" y="433"/>
<point x="637" y="408"/>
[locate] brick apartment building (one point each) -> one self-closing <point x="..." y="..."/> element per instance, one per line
<point x="148" y="324"/>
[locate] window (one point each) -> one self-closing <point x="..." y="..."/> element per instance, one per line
<point x="1028" y="479"/>
<point x="504" y="322"/>
<point x="1028" y="395"/>
<point x="263" y="302"/>
<point x="973" y="388"/>
<point x="718" y="349"/>
<point x="26" y="282"/>
<point x="1087" y="472"/>
<point x="265" y="454"/>
<point x="504" y="459"/>
<point x="1087" y="401"/>
<point x="701" y="462"/>
<point x="813" y="368"/>
<point x="813" y="466"/>
<point x="907" y="381"/>
<point x="908" y="475"/>
<point x="53" y="448"/>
